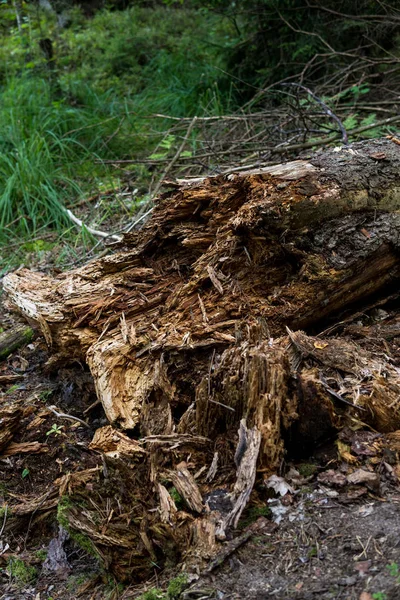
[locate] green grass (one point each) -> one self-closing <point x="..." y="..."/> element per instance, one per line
<point x="111" y="72"/>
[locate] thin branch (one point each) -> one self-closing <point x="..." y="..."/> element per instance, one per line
<point x="175" y="158"/>
<point x="325" y="108"/>
<point x="96" y="232"/>
<point x="333" y="137"/>
<point x="65" y="416"/>
<point x="163" y="176"/>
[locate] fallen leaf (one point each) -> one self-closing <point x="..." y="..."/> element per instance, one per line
<point x="298" y="586"/>
<point x="378" y="155"/>
<point x="332" y="478"/>
<point x="320" y="345"/>
<point x="362" y="567"/>
<point x="279" y="485"/>
<point x="369" y="478"/>
<point x="345" y="454"/>
<point x="352" y="495"/>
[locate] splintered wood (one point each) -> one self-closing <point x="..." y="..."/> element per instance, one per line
<point x="194" y="332"/>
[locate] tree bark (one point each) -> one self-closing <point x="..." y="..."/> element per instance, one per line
<point x="289" y="245"/>
<point x="13" y="339"/>
<point x="191" y="332"/>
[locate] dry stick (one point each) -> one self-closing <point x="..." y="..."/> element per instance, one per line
<point x="276" y="150"/>
<point x="163" y="176"/>
<point x="102" y="234"/>
<point x="300" y="146"/>
<point x="65" y="416"/>
<point x="183" y="158"/>
<point x="258" y="115"/>
<point x="175" y="158"/>
<point x="333" y="137"/>
<point x="338" y="396"/>
<point x="325" y="109"/>
<point x="4" y="520"/>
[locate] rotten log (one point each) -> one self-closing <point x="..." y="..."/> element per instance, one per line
<point x="14" y="338"/>
<point x="185" y="333"/>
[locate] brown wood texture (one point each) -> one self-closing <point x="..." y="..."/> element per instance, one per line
<point x="192" y="331"/>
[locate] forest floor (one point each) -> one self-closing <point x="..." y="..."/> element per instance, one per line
<point x="332" y="541"/>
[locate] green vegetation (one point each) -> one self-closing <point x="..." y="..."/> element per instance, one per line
<point x="78" y="89"/>
<point x="13" y="388"/>
<point x="65" y="504"/>
<point x="41" y="554"/>
<point x="250" y="515"/>
<point x="176" y="587"/>
<point x="20" y="571"/>
<point x="107" y="75"/>
<point x="55" y="430"/>
<point x="313" y="552"/>
<point x="307" y="469"/>
<point x="394" y="570"/>
<point x="174" y="590"/>
<point x="153" y="594"/>
<point x="74" y="581"/>
<point x="177" y="498"/>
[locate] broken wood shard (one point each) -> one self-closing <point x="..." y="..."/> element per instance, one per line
<point x="205" y="324"/>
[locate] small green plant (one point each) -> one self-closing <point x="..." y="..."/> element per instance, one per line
<point x="393" y="569"/>
<point x="312" y="552"/>
<point x="252" y="514"/>
<point x="25" y="473"/>
<point x="45" y="395"/>
<point x="20" y="571"/>
<point x="13" y="388"/>
<point x="307" y="469"/>
<point x="174" y="590"/>
<point x="379" y="596"/>
<point x="153" y="594"/>
<point x="74" y="581"/>
<point x="113" y="588"/>
<point x="177" y="498"/>
<point x="176" y="586"/>
<point x="41" y="554"/>
<point x="55" y="429"/>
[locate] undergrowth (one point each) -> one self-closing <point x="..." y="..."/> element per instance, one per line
<point x="109" y="73"/>
<point x="64" y="117"/>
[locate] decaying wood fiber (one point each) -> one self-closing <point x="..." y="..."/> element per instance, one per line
<point x="192" y="332"/>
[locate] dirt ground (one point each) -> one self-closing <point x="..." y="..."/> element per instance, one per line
<point x="332" y="540"/>
<point x="321" y="550"/>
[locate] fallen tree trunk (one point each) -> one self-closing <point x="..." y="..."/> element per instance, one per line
<point x="190" y="334"/>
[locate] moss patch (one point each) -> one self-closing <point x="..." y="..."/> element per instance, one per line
<point x="20" y="571"/>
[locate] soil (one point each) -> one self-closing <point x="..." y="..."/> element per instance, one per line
<point x="321" y="550"/>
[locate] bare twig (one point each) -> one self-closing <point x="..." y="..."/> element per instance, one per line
<point x="65" y="416"/>
<point x="95" y="232"/>
<point x="163" y="176"/>
<point x="4" y="520"/>
<point x="325" y="108"/>
<point x="175" y="158"/>
<point x="331" y="138"/>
